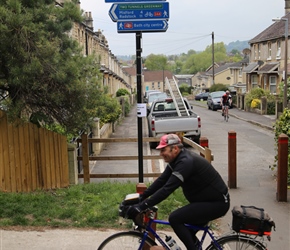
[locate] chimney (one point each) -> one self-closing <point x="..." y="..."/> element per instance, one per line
<point x="287" y="6"/>
<point x="89" y="20"/>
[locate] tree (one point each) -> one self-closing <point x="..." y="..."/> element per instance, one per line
<point x="156" y="62"/>
<point x="44" y="77"/>
<point x="196" y="62"/>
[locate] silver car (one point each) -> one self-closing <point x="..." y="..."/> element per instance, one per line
<point x="214" y="100"/>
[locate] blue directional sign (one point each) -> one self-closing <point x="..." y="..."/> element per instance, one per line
<point x="142" y="26"/>
<point x="130" y="1"/>
<point x="133" y="11"/>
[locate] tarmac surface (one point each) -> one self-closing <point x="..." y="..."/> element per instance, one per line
<point x="262" y="193"/>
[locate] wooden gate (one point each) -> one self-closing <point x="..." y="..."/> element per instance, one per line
<point x="31" y="158"/>
<point x="85" y="158"/>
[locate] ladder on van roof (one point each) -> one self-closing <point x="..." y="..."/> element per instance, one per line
<point x="177" y="97"/>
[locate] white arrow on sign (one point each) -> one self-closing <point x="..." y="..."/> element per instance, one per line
<point x="165" y="24"/>
<point x="112" y="13"/>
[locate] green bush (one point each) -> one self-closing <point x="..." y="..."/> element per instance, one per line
<point x="185" y="89"/>
<point x="282" y="126"/>
<point x="127" y="107"/>
<point x="258" y="93"/>
<point x="271" y="108"/>
<point x="122" y="92"/>
<point x="218" y="87"/>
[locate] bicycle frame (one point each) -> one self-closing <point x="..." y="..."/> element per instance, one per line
<point x="149" y="229"/>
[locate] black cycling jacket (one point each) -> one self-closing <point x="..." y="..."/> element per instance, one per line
<point x="194" y="174"/>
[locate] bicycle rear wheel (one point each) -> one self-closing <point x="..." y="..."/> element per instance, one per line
<point x="126" y="240"/>
<point x="237" y="242"/>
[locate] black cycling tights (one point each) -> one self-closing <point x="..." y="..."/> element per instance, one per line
<point x="199" y="214"/>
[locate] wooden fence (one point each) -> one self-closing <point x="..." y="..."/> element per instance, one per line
<point x="31" y="158"/>
<point x="86" y="158"/>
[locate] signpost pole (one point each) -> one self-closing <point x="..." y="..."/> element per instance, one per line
<point x="139" y="101"/>
<point x="137" y="16"/>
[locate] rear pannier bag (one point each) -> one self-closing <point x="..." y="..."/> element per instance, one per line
<point x="250" y="219"/>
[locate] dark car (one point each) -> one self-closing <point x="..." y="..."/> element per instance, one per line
<point x="201" y="96"/>
<point x="214" y="100"/>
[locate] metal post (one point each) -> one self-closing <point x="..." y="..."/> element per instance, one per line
<point x="203" y="142"/>
<point x="139" y="101"/>
<point x="163" y="80"/>
<point x="232" y="159"/>
<point x="212" y="37"/>
<point x="282" y="167"/>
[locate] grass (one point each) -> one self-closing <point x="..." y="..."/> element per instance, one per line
<point x="92" y="205"/>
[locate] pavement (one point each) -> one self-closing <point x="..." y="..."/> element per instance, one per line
<point x="254" y="192"/>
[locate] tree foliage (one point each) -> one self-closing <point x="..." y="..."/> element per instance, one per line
<point x="122" y="92"/>
<point x="44" y="77"/>
<point x="218" y="87"/>
<point x="257" y="93"/>
<point x="196" y="62"/>
<point x="156" y="62"/>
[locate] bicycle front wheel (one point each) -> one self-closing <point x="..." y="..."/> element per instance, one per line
<point x="126" y="240"/>
<point x="237" y="242"/>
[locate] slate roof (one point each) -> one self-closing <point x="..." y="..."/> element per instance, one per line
<point x="276" y="30"/>
<point x="268" y="67"/>
<point x="130" y="70"/>
<point x="156" y="75"/>
<point x="219" y="69"/>
<point x="251" y="67"/>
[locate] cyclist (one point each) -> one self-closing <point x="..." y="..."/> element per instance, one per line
<point x="202" y="186"/>
<point x="226" y="100"/>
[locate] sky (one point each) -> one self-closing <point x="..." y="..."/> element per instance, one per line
<point x="190" y="25"/>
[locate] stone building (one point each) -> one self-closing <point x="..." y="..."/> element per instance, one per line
<point x="94" y="42"/>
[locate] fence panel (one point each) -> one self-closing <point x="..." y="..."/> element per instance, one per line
<point x="31" y="158"/>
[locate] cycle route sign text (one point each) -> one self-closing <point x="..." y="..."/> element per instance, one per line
<point x="134" y="16"/>
<point x="138" y="11"/>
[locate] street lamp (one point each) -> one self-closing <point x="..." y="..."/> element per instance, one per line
<point x="285" y="59"/>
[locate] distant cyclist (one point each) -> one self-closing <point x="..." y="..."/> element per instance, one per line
<point x="226" y="100"/>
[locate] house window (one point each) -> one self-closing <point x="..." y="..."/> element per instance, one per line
<point x="254" y="80"/>
<point x="240" y="72"/>
<point x="158" y="85"/>
<point x="273" y="84"/>
<point x="259" y="52"/>
<point x="278" y="55"/>
<point x="269" y="51"/>
<point x="255" y="52"/>
<point x="153" y="87"/>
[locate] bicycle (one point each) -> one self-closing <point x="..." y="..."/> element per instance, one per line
<point x="226" y="112"/>
<point x="140" y="237"/>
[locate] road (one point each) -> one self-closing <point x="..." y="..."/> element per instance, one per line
<point x="256" y="182"/>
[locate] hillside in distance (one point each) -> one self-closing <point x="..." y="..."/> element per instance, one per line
<point x="237" y="45"/>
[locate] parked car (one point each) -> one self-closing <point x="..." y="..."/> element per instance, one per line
<point x="154" y="96"/>
<point x="201" y="96"/>
<point x="147" y="92"/>
<point x="214" y="100"/>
